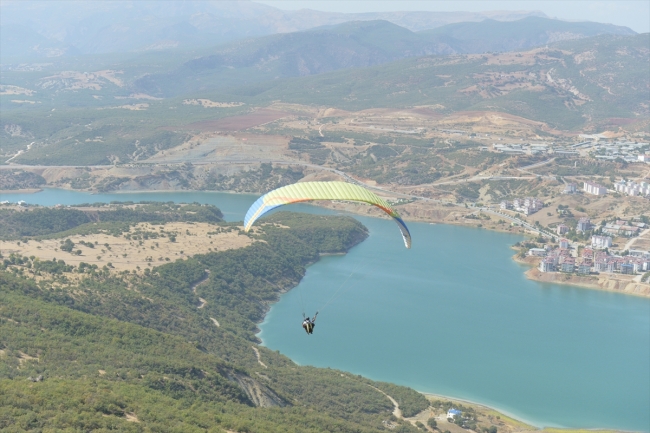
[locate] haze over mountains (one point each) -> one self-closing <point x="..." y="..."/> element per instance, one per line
<point x="51" y="29"/>
<point x="357" y="44"/>
<point x="566" y="74"/>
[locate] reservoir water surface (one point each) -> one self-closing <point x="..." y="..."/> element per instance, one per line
<point x="455" y="316"/>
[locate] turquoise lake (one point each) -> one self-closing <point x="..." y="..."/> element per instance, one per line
<point x="455" y="316"/>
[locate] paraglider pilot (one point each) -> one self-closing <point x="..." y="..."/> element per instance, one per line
<point x="309" y="324"/>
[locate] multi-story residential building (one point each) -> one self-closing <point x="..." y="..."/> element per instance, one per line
<point x="627" y="268"/>
<point x="645" y="263"/>
<point x="533" y="202"/>
<point x="568" y="265"/>
<point x="528" y="205"/>
<point x="564" y="243"/>
<point x="637" y="266"/>
<point x="584" y="269"/>
<point x="600" y="265"/>
<point x="588" y="253"/>
<point x="547" y="265"/>
<point x="570" y="188"/>
<point x="538" y="252"/>
<point x="562" y="229"/>
<point x="594" y="188"/>
<point x="620" y="228"/>
<point x="612" y="266"/>
<point x="601" y="241"/>
<point x="532" y="205"/>
<point x="632" y="188"/>
<point x="583" y="225"/>
<point x="600" y="261"/>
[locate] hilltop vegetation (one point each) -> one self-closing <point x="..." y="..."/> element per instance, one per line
<point x="45" y="221"/>
<point x="125" y="347"/>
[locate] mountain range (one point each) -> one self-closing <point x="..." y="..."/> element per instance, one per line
<point x="586" y="83"/>
<point x="51" y="29"/>
<point x="353" y="45"/>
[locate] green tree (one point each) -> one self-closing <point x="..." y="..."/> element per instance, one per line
<point x="67" y="246"/>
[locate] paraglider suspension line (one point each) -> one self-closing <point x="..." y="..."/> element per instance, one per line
<point x="302" y="304"/>
<point x="354" y="271"/>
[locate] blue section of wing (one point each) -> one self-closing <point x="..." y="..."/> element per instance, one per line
<point x="256" y="211"/>
<point x="406" y="234"/>
<point x="253" y="209"/>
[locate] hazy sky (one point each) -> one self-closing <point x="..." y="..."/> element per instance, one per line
<point x="634" y="14"/>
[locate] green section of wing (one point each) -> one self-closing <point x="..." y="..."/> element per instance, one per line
<point x="325" y="191"/>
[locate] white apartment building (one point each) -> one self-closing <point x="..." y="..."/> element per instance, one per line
<point x="570" y="188"/>
<point x="601" y="241"/>
<point x="583" y="225"/>
<point x="632" y="188"/>
<point x="594" y="188"/>
<point x="562" y="229"/>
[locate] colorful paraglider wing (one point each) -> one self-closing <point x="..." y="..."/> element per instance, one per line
<point x="308" y="191"/>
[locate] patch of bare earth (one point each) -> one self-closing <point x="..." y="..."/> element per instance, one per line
<point x="258" y="356"/>
<point x="206" y="103"/>
<point x="238" y="123"/>
<point x="15" y="90"/>
<point x="139" y="96"/>
<point x="132" y="107"/>
<point x="23" y="358"/>
<point x="128" y="254"/>
<point x="217" y="148"/>
<point x="131" y="417"/>
<point x="75" y="80"/>
<point x="425" y="121"/>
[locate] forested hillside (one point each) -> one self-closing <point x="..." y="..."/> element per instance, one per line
<point x="132" y="352"/>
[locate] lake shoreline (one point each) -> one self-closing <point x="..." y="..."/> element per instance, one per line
<point x="440" y="396"/>
<point x="603" y="281"/>
<point x="448" y="216"/>
<point x="524" y="425"/>
<point x="21" y="191"/>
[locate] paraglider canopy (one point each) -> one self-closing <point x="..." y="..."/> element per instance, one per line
<point x="309" y="191"/>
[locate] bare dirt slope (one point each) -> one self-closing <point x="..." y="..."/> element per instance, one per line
<point x="131" y="254"/>
<point x="238" y="123"/>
